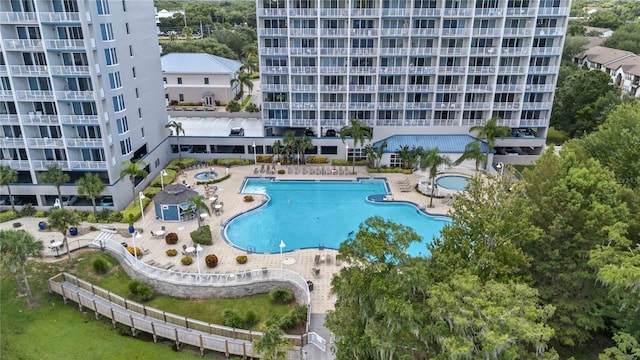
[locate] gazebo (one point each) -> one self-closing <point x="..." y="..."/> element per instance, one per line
<point x="171" y="203"/>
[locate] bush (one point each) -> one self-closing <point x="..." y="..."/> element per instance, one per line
<point x="138" y="251"/>
<point x="295" y="317"/>
<point x="317" y="160"/>
<point x="396" y="170"/>
<point x="8" y="215"/>
<point x="281" y="296"/>
<point x="27" y="210"/>
<point x="16" y="224"/>
<point x="93" y="228"/>
<point x="151" y="191"/>
<point x="143" y="291"/>
<point x="556" y="137"/>
<point x="187" y="260"/>
<point x="281" y="172"/>
<point x="230" y="161"/>
<point x="339" y="162"/>
<point x="214" y="181"/>
<point x="202" y="236"/>
<point x="248" y="198"/>
<point x="171" y="238"/>
<point x="117" y="216"/>
<point x="103" y="215"/>
<point x="232" y="319"/>
<point x="264" y="159"/>
<point x="250" y="318"/>
<point x="233" y="106"/>
<point x="133" y="286"/>
<point x="242" y="259"/>
<point x="157" y="182"/>
<point x="252" y="108"/>
<point x="41" y="214"/>
<point x="171" y="252"/>
<point x="211" y="260"/>
<point x="101" y="266"/>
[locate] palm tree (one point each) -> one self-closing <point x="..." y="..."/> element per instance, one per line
<point x="276" y="149"/>
<point x="473" y="150"/>
<point x="133" y="170"/>
<point x="61" y="220"/>
<point x="289" y="141"/>
<point x="250" y="65"/>
<point x="15" y="248"/>
<point x="6" y="257"/>
<point x="358" y="133"/>
<point x="489" y="132"/>
<point x="55" y="176"/>
<point x="241" y="80"/>
<point x="409" y="155"/>
<point x="8" y="176"/>
<point x="92" y="186"/>
<point x="272" y="345"/>
<point x="433" y="160"/>
<point x="303" y="144"/>
<point x="176" y="128"/>
<point x="198" y="203"/>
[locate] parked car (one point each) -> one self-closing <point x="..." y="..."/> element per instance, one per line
<point x="236" y="131"/>
<point x="67" y="200"/>
<point x="106" y="201"/>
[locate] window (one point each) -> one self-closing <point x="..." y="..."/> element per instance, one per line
<point x="126" y="26"/>
<point x="114" y="80"/>
<point x="123" y="125"/>
<point x="206" y="81"/>
<point x="125" y="146"/>
<point x="124" y="5"/>
<point x="118" y="103"/>
<point x="137" y="94"/>
<point x="142" y="131"/>
<point x="140" y="113"/>
<point x="103" y="7"/>
<point x="181" y="97"/>
<point x="133" y="72"/>
<point x="131" y="50"/>
<point x="111" y="56"/>
<point x="107" y="32"/>
<point x="179" y="81"/>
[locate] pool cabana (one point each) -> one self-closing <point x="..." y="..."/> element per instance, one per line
<point x="171" y="203"/>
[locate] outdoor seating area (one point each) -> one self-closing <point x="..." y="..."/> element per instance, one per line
<point x="404" y="185"/>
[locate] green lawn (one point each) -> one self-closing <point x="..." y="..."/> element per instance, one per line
<point x="53" y="330"/>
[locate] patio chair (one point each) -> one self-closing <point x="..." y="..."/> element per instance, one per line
<point x="328" y="259"/>
<point x="315" y="272"/>
<point x="153" y="234"/>
<point x="256" y="171"/>
<point x="163" y="228"/>
<point x="262" y="169"/>
<point x="316" y="260"/>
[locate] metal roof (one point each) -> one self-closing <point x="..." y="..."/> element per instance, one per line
<point x="445" y="143"/>
<point x="174" y="194"/>
<point x="198" y="63"/>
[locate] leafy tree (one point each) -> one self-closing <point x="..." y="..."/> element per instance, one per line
<point x="573" y="46"/>
<point x="233" y="106"/>
<point x="604" y="19"/>
<point x="473" y="150"/>
<point x="251" y="64"/>
<point x="61" y="220"/>
<point x="302" y="144"/>
<point x="276" y="149"/>
<point x="242" y="80"/>
<point x="272" y="345"/>
<point x="575" y="28"/>
<point x="627" y="348"/>
<point x="358" y="132"/>
<point x="289" y="142"/>
<point x="8" y="176"/>
<point x="176" y="128"/>
<point x="15" y="248"/>
<point x="199" y="204"/>
<point x="55" y="176"/>
<point x="187" y="32"/>
<point x="489" y="132"/>
<point x="92" y="186"/>
<point x="433" y="160"/>
<point x="408" y="155"/>
<point x="133" y="170"/>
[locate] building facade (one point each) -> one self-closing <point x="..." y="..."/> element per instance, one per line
<point x="80" y="87"/>
<point x="622" y="66"/>
<point x="413" y="66"/>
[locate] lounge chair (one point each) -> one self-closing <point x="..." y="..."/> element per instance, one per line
<point x="328" y="259"/>
<point x="315" y="272"/>
<point x="262" y="169"/>
<point x="256" y="171"/>
<point x="317" y="260"/>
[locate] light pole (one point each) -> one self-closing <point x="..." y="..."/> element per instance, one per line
<point x="282" y="245"/>
<point x="163" y="173"/>
<point x="255" y="158"/>
<point x="198" y="249"/>
<point x="141" y="196"/>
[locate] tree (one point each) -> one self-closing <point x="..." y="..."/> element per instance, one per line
<point x="198" y="204"/>
<point x="626" y="38"/>
<point x="627" y="347"/>
<point x="92" y="186"/>
<point x="409" y="155"/>
<point x="251" y="64"/>
<point x="433" y="160"/>
<point x="473" y="150"/>
<point x="573" y="46"/>
<point x="489" y="132"/>
<point x="302" y="144"/>
<point x="8" y="176"/>
<point x="358" y="132"/>
<point x="55" y="176"/>
<point x="176" y="128"/>
<point x="61" y="220"/>
<point x="604" y="19"/>
<point x="575" y="28"/>
<point x="133" y="170"/>
<point x="272" y="345"/>
<point x="242" y="80"/>
<point x="276" y="149"/>
<point x="289" y="142"/>
<point x="187" y="32"/>
<point x="15" y="248"/>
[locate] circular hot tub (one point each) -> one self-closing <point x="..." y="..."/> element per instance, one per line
<point x="452" y="182"/>
<point x="206" y="175"/>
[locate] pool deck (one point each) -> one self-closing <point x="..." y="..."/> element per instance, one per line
<point x="301" y="261"/>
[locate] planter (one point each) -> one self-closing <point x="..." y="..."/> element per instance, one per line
<point x="42" y="225"/>
<point x="131" y="229"/>
<point x="73" y="231"/>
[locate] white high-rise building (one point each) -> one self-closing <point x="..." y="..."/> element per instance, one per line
<point x="81" y="88"/>
<point x="413" y="66"/>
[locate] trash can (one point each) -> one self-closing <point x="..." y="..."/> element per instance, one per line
<point x="42" y="225"/>
<point x="73" y="231"/>
<point x="310" y="285"/>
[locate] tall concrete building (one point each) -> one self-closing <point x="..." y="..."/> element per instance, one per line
<point x="80" y="88"/>
<point x="413" y="66"/>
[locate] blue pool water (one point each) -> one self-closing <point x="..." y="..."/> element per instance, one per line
<point x="207" y="175"/>
<point x="452" y="182"/>
<point x="306" y="214"/>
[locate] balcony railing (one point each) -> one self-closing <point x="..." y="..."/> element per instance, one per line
<point x="34" y="95"/>
<point x="274" y="50"/>
<point x="391" y="105"/>
<point x="16" y="164"/>
<point x="69" y="70"/>
<point x="6" y="94"/>
<point x="423" y="51"/>
<point x="59" y="17"/>
<point x="362" y="88"/>
<point x="553" y="11"/>
<point x="275" y="105"/>
<point x="515" y="51"/>
<point x="362" y="70"/>
<point x="304" y="105"/>
<point x="23" y="44"/>
<point x="426" y="105"/>
<point x="517" y="32"/>
<point x="510" y="87"/>
<point x="392" y="88"/>
<point x="483" y="51"/>
<point x="458" y="12"/>
<point x="511" y="70"/>
<point x="9" y="119"/>
<point x="477" y="105"/>
<point x="45" y="142"/>
<point x="396" y="12"/>
<point x="454" y="51"/>
<point x="43" y="164"/>
<point x="364" y="32"/>
<point x="303" y="12"/>
<point x="11" y="142"/>
<point x="487" y="31"/>
<point x="333" y="51"/>
<point x="539" y="88"/>
<point x="333" y="106"/>
<point x="334" y="32"/>
<point x="88" y="165"/>
<point x="273" y="32"/>
<point x="421" y="88"/>
<point x="303" y="51"/>
<point x="479" y="87"/>
<point x="29" y="70"/>
<point x="80" y="119"/>
<point x="333" y="69"/>
<point x="274" y="69"/>
<point x="342" y="13"/>
<point x="272" y="12"/>
<point x="66" y="44"/>
<point x="4" y="70"/>
<point x="365" y="12"/>
<point x="394" y="32"/>
<point x="304" y="70"/>
<point x="447" y="106"/>
<point x="75" y="95"/>
<point x="506" y="106"/>
<point x="393" y="70"/>
<point x="362" y="106"/>
<point x="304" y="32"/>
<point x="550" y="31"/>
<point x="452" y="69"/>
<point x="306" y="88"/>
<point x="364" y="51"/>
<point x="84" y="143"/>
<point x="521" y="12"/>
<point x="545" y="105"/>
<point x="425" y="32"/>
<point x="546" y="50"/>
<point x="427" y="12"/>
<point x="422" y="69"/>
<point x="10" y="17"/>
<point x="38" y="119"/>
<point x="481" y="69"/>
<point x="543" y="69"/>
<point x="275" y="87"/>
<point x="449" y="87"/>
<point x="489" y="12"/>
<point x="333" y="88"/>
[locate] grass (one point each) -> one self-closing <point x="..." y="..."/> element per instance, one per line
<point x="53" y="330"/>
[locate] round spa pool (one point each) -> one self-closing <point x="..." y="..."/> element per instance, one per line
<point x="207" y="175"/>
<point x="452" y="182"/>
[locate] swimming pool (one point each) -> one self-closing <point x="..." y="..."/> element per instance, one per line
<point x="206" y="175"/>
<point x="452" y="182"/>
<point x="309" y="214"/>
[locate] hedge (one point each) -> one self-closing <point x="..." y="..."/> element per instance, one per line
<point x="268" y="159"/>
<point x="171" y="175"/>
<point x="214" y="181"/>
<point x="317" y="160"/>
<point x="339" y="162"/>
<point x="202" y="236"/>
<point x="8" y="215"/>
<point x="390" y="170"/>
<point x="134" y="209"/>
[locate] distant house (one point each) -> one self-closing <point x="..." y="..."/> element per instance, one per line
<point x="622" y="66"/>
<point x="198" y="77"/>
<point x="602" y="32"/>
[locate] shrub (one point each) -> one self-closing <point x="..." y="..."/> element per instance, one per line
<point x="281" y="296"/>
<point x="233" y="106"/>
<point x="397" y="170"/>
<point x="250" y="318"/>
<point x="8" y="215"/>
<point x="555" y="136"/>
<point x="151" y="191"/>
<point x="93" y="228"/>
<point x="317" y="160"/>
<point x="138" y="288"/>
<point x="339" y="162"/>
<point x="242" y="259"/>
<point x="16" y="224"/>
<point x="27" y="210"/>
<point x="171" y="252"/>
<point x="187" y="260"/>
<point x="281" y="172"/>
<point x="117" y="216"/>
<point x="171" y="238"/>
<point x="248" y="198"/>
<point x="232" y="162"/>
<point x="232" y="319"/>
<point x="133" y="286"/>
<point x="214" y="181"/>
<point x="211" y="260"/>
<point x="100" y="266"/>
<point x="138" y="251"/>
<point x="41" y="214"/>
<point x="157" y="182"/>
<point x="264" y="159"/>
<point x="202" y="236"/>
<point x="252" y="108"/>
<point x="103" y="215"/>
<point x="295" y="317"/>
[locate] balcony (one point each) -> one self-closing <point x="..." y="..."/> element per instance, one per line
<point x="304" y="32"/>
<point x="16" y="164"/>
<point x="45" y="142"/>
<point x="483" y="51"/>
<point x="515" y="51"/>
<point x="364" y="32"/>
<point x="9" y="119"/>
<point x="362" y="70"/>
<point x="304" y="88"/>
<point x="333" y="70"/>
<point x="393" y="70"/>
<point x="517" y="32"/>
<point x="487" y="32"/>
<point x="455" y="32"/>
<point x="39" y="119"/>
<point x="521" y="12"/>
<point x="333" y="51"/>
<point x="502" y="70"/>
<point x="340" y="13"/>
<point x="272" y="12"/>
<point x="59" y="17"/>
<point x="454" y="51"/>
<point x="479" y="87"/>
<point x="4" y="70"/>
<point x="392" y="88"/>
<point x="333" y="88"/>
<point x="447" y="106"/>
<point x="79" y="119"/>
<point x="425" y="32"/>
<point x="84" y="143"/>
<point x="334" y="32"/>
<point x="75" y="95"/>
<point x="510" y="87"/>
<point x="364" y="51"/>
<point x="422" y="69"/>
<point x="274" y="51"/>
<point x="275" y="87"/>
<point x="6" y="95"/>
<point x="34" y="95"/>
<point x="303" y="51"/>
<point x="489" y="12"/>
<point x="304" y="70"/>
<point x="419" y="105"/>
<point x="362" y="88"/>
<point x="396" y="12"/>
<point x="458" y="12"/>
<point x="273" y="32"/>
<point x="452" y="70"/>
<point x="10" y="17"/>
<point x="421" y="88"/>
<point x="88" y="165"/>
<point x="390" y="105"/>
<point x="66" y="44"/>
<point x="477" y="105"/>
<point x="304" y="105"/>
<point x="550" y="31"/>
<point x="450" y="87"/>
<point x="362" y="106"/>
<point x="11" y="142"/>
<point x="423" y="51"/>
<point x="481" y="69"/>
<point x="23" y="44"/>
<point x="274" y="69"/>
<point x="29" y="70"/>
<point x="539" y="88"/>
<point x="546" y="50"/>
<point x="394" y="32"/>
<point x="43" y="164"/>
<point x="69" y="70"/>
<point x="506" y="106"/>
<point x="274" y="105"/>
<point x="545" y="105"/>
<point x="559" y="11"/>
<point x="427" y="12"/>
<point x="303" y="12"/>
<point x="365" y="12"/>
<point x="333" y="106"/>
<point x="543" y="69"/>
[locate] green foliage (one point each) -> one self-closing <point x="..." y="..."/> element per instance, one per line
<point x="202" y="236"/>
<point x="604" y="19"/>
<point x="555" y="136"/>
<point x="281" y="296"/>
<point x="295" y="317"/>
<point x="26" y="210"/>
<point x="264" y="159"/>
<point x="339" y="162"/>
<point x="395" y="170"/>
<point x="272" y="345"/>
<point x="573" y="46"/>
<point x="233" y="106"/>
<point x="8" y="215"/>
<point x="16" y="224"/>
<point x="252" y="108"/>
<point x="171" y="238"/>
<point x="251" y="318"/>
<point x="168" y="179"/>
<point x="627" y="348"/>
<point x="151" y="191"/>
<point x="101" y="266"/>
<point x="245" y="102"/>
<point x="171" y="252"/>
<point x="91" y="185"/>
<point x="144" y="292"/>
<point x="187" y="260"/>
<point x="627" y="37"/>
<point x="317" y="160"/>
<point x="233" y="319"/>
<point x="241" y="259"/>
<point x="211" y="260"/>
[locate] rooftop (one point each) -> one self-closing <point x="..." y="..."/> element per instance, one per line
<point x="198" y="63"/>
<point x="445" y="143"/>
<point x="604" y="55"/>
